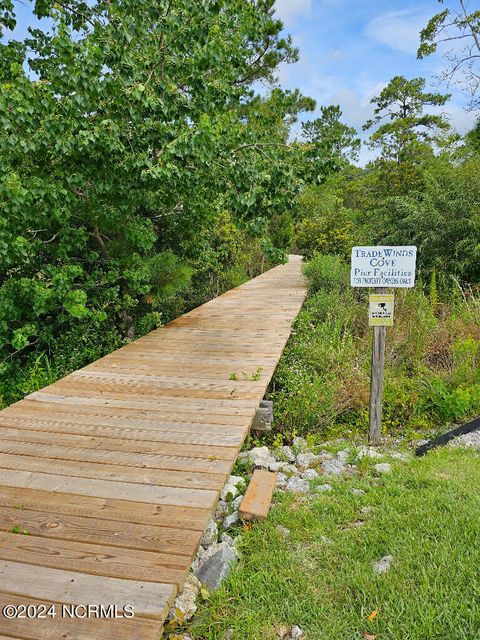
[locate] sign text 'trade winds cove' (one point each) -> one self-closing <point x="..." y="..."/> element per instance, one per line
<point x="383" y="266"/>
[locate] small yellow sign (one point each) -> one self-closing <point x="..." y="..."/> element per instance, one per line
<point x="381" y="310"/>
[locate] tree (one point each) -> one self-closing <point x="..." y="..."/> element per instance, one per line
<point x="442" y="219"/>
<point x="127" y="131"/>
<point x="404" y="129"/>
<point x="472" y="138"/>
<point x="459" y="28"/>
<point x="325" y="225"/>
<point x="329" y="138"/>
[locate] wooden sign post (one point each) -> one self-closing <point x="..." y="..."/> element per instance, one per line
<point x="377" y="377"/>
<point x="381" y="267"/>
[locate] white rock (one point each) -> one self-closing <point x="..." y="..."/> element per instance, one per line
<point x="358" y="492"/>
<point x="333" y="467"/>
<point x="300" y="444"/>
<point x="383" y="565"/>
<point x="230" y="520"/>
<point x="298" y="485"/>
<point x="285" y="454"/>
<point x="397" y="455"/>
<point x="201" y="553"/>
<point x="235" y="480"/>
<point x="310" y="474"/>
<point x="237" y="502"/>
<point x="383" y="467"/>
<point x="324" y="487"/>
<point x="184" y="605"/>
<point x="276" y="466"/>
<point x="296" y="633"/>
<point x="210" y="534"/>
<point x="222" y="509"/>
<point x="468" y="440"/>
<point x="227" y="539"/>
<point x="367" y="452"/>
<point x="217" y="566"/>
<point x="212" y="550"/>
<point x="283" y="530"/>
<point x="281" y="482"/>
<point x="290" y="468"/>
<point x="305" y="459"/>
<point x="261" y="457"/>
<point x="324" y="455"/>
<point x="343" y="455"/>
<point x="229" y="490"/>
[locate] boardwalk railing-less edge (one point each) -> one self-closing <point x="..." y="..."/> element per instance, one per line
<point x="109" y="476"/>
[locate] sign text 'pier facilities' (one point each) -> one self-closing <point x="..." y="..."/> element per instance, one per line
<point x="381" y="268"/>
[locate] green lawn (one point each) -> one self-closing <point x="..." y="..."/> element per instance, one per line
<point x="426" y="514"/>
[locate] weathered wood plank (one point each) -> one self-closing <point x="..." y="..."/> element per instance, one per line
<point x="187" y="436"/>
<point x="258" y="496"/>
<point x="62" y="627"/>
<point x="173" y="496"/>
<point x="149" y="599"/>
<point x="206" y="452"/>
<point x="94" y="559"/>
<point x="97" y="531"/>
<point x="137" y="401"/>
<point x="147" y="460"/>
<point x="134" y="410"/>
<point x="118" y="510"/>
<point x="114" y="471"/>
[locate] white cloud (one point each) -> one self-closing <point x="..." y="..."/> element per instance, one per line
<point x="460" y="119"/>
<point x="335" y="55"/>
<point x="289" y="9"/>
<point x="399" y="29"/>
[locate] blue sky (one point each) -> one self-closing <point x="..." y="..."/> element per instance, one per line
<point x="350" y="49"/>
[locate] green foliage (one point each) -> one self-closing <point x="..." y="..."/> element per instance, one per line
<point x="307" y="394"/>
<point x="330" y="140"/>
<point x="425" y="514"/>
<point x="326" y="273"/>
<point x="433" y="293"/>
<point x="325" y="225"/>
<point x="432" y="360"/>
<point x="18" y="529"/>
<point x="431" y="202"/>
<point x="472" y="138"/>
<point x="404" y="131"/>
<point x="139" y="170"/>
<point x="448" y="405"/>
<point x="439" y="213"/>
<point x="456" y="29"/>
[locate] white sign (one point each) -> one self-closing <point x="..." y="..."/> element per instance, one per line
<point x="383" y="267"/>
<point x="380" y="313"/>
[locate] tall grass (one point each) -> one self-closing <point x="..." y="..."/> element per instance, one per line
<point x="432" y="375"/>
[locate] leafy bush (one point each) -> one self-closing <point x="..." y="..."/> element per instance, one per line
<point x="326" y="272"/>
<point x="325" y="226"/>
<point x="134" y="185"/>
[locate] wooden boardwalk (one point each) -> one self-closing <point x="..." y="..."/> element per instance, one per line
<point x="109" y="476"/>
